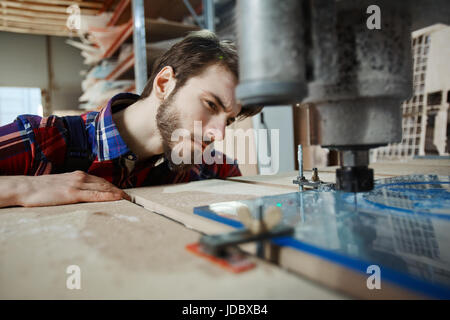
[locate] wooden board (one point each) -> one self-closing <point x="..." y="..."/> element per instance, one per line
<point x="172" y="10"/>
<point x="420" y="166"/>
<point x="284" y="180"/>
<point x="124" y="252"/>
<point x="327" y="174"/>
<point x="177" y="201"/>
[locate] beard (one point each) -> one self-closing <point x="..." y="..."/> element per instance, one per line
<point x="167" y="121"/>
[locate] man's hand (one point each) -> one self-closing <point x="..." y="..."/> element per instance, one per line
<point x="56" y="189"/>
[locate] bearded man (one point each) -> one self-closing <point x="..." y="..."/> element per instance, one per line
<point x="130" y="142"/>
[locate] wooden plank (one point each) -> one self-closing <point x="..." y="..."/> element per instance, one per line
<point x="80" y="3"/>
<point x="157" y="30"/>
<point x="327" y="174"/>
<point x="124" y="252"/>
<point x="284" y="180"/>
<point x="126" y="33"/>
<point x="106" y="5"/>
<point x="28" y="25"/>
<point x="189" y="195"/>
<point x="34" y="14"/>
<point x="118" y="11"/>
<point x="173" y="10"/>
<point x="46" y="8"/>
<point x="38" y="21"/>
<point x="35" y="31"/>
<point x="123" y="67"/>
<point x="417" y="162"/>
<point x="128" y="63"/>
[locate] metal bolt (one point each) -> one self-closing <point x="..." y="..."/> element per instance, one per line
<point x="315" y="175"/>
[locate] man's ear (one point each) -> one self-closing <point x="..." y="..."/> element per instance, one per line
<point x="164" y="83"/>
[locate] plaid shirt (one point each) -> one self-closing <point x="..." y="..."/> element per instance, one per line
<point x="33" y="145"/>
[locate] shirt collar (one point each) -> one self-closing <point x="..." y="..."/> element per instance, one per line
<point x="106" y="140"/>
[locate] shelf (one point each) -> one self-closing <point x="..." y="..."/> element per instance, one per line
<point x="157" y="30"/>
<point x="118" y="11"/>
<point x="131" y="89"/>
<point x="128" y="63"/>
<point x="126" y="33"/>
<point x="123" y="67"/>
<point x="162" y="22"/>
<point x="170" y="10"/>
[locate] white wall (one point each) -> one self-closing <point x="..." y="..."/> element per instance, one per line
<point x="67" y="63"/>
<point x="23" y="63"/>
<point x="23" y="60"/>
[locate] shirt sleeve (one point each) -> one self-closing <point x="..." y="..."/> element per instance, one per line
<point x="229" y="170"/>
<point x="226" y="168"/>
<point x="32" y="145"/>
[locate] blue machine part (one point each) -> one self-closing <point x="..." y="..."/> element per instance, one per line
<point x="402" y="225"/>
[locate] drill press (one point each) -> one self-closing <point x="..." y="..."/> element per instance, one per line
<point x="323" y="52"/>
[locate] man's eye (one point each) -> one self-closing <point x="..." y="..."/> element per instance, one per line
<point x="211" y="105"/>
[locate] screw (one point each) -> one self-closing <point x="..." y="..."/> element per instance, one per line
<point x="315" y="175"/>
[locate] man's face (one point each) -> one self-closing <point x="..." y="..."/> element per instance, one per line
<point x="207" y="103"/>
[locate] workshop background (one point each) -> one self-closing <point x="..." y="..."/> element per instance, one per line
<point x="48" y="66"/>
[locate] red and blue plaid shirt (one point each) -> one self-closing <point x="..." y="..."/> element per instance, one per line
<point x="32" y="145"/>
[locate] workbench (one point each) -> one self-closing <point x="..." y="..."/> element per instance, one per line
<point x="124" y="252"/>
<point x="137" y="250"/>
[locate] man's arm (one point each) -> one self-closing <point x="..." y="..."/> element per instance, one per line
<point x="56" y="189"/>
<point x="29" y="147"/>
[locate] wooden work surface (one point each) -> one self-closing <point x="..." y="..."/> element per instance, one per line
<point x="327" y="174"/>
<point x="124" y="252"/>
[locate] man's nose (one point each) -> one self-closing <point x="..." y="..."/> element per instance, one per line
<point x="216" y="131"/>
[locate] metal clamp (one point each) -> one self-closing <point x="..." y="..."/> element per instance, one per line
<point x="315" y="182"/>
<point x="258" y="230"/>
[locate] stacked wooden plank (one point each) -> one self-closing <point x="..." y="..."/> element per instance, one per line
<point x="45" y="17"/>
<point x="110" y="46"/>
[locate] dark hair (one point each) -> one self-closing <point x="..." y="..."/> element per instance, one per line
<point x="192" y="55"/>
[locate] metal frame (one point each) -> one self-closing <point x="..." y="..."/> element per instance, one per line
<point x="139" y="42"/>
<point x="192" y="12"/>
<point x="139" y="45"/>
<point x="209" y="14"/>
<point x="207" y="21"/>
